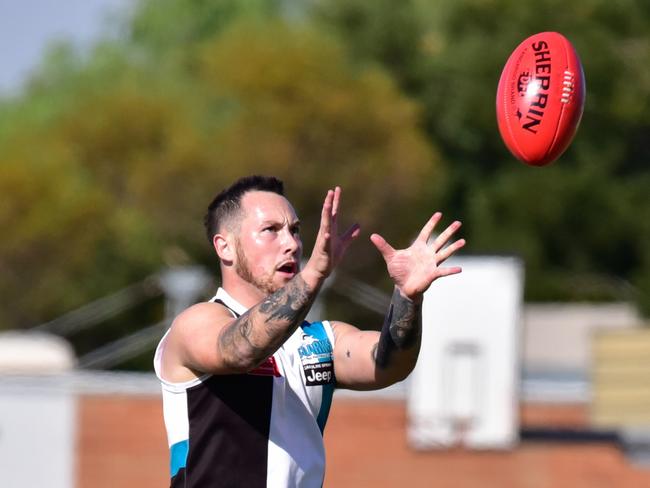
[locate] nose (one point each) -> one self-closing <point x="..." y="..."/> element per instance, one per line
<point x="292" y="243"/>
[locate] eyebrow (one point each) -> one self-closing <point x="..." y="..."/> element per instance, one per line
<point x="278" y="222"/>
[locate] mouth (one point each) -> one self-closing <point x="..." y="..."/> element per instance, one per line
<point x="290" y="268"/>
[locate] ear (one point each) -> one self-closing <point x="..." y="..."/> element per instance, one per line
<point x="224" y="247"/>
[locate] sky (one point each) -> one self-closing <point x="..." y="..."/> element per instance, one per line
<point x="28" y="26"/>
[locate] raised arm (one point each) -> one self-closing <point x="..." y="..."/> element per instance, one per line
<point x="204" y="339"/>
<point x="369" y="359"/>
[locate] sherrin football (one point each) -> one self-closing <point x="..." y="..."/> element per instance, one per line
<point x="540" y="98"/>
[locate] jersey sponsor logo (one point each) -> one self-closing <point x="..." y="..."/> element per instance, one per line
<point x="316" y="358"/>
<point x="318" y="373"/>
<point x="313" y="347"/>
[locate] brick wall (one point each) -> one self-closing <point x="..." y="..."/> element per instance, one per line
<point x="121" y="444"/>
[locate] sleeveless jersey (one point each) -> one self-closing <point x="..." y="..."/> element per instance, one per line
<point x="254" y="430"/>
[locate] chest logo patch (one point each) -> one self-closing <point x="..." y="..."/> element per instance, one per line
<point x="316" y="358"/>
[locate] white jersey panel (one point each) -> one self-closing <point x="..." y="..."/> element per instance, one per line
<point x="301" y="373"/>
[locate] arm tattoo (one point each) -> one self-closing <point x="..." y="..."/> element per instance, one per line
<point x="289" y="302"/>
<point x="263" y="329"/>
<point x="402" y="329"/>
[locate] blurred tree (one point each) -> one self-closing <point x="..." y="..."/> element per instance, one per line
<point x="161" y="28"/>
<point x="297" y="108"/>
<point x="43" y="206"/>
<point x="110" y="161"/>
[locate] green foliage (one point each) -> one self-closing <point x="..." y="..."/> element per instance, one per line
<point x="567" y="208"/>
<point x="40" y="211"/>
<point x="298" y="109"/>
<point x="578" y="224"/>
<point x="109" y="162"/>
<point x="164" y="25"/>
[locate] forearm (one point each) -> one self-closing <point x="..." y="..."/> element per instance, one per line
<point x="398" y="346"/>
<point x="258" y="333"/>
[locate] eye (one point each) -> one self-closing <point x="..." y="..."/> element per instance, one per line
<point x="295" y="229"/>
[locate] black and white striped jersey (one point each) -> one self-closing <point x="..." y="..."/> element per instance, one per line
<point x="260" y="429"/>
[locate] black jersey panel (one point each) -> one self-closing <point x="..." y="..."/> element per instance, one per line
<point x="229" y="420"/>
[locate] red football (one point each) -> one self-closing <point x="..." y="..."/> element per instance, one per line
<point x="540" y="98"/>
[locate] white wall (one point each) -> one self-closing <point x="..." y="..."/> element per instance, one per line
<point x="37" y="431"/>
<point x="465" y="387"/>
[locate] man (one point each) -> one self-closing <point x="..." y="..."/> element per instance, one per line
<point x="247" y="383"/>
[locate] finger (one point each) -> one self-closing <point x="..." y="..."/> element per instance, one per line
<point x="352" y="233"/>
<point x="326" y="213"/>
<point x="442" y="239"/>
<point x="335" y="203"/>
<point x="449" y="250"/>
<point x="323" y="240"/>
<point x="429" y="226"/>
<point x="382" y="246"/>
<point x="440" y="272"/>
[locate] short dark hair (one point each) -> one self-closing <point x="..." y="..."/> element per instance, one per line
<point x="228" y="202"/>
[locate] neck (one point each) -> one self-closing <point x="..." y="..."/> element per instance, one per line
<point x="244" y="292"/>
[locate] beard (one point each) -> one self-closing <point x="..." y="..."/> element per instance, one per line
<point x="243" y="269"/>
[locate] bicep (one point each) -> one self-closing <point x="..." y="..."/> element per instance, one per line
<point x="354" y="363"/>
<point x="195" y="337"/>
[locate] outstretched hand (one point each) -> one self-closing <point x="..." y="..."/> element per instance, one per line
<point x="330" y="247"/>
<point x="414" y="269"/>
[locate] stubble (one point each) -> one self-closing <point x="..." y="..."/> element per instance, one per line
<point x="243" y="269"/>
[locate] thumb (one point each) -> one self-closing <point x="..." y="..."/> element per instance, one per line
<point x="382" y="246"/>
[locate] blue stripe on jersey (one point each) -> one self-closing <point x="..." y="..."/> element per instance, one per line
<point x="179" y="456"/>
<point x="317" y="330"/>
<point x="326" y="402"/>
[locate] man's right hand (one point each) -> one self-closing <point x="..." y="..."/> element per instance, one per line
<point x="329" y="247"/>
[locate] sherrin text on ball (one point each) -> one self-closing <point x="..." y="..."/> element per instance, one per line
<point x="540" y="98"/>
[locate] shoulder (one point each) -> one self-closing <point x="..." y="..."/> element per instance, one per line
<point x="201" y="316"/>
<point x="191" y="340"/>
<point x="340" y="328"/>
<point x="203" y="309"/>
<point x="341" y="331"/>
